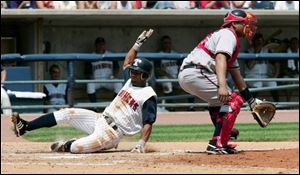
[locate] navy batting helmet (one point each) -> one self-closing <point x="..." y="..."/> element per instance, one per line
<point x="142" y="65"/>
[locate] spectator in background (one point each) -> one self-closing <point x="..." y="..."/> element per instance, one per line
<point x="286" y="5"/>
<point x="213" y="4"/>
<point x="262" y="5"/>
<point x="65" y="5"/>
<point x="290" y="67"/>
<point x="101" y="70"/>
<point x="56" y="93"/>
<point x="128" y="5"/>
<point x="184" y="4"/>
<point x="5" y="101"/>
<point x="164" y="5"/>
<point x="3" y="5"/>
<point x="45" y="4"/>
<point x="89" y="5"/>
<point x="239" y="4"/>
<point x="22" y="4"/>
<point x="167" y="69"/>
<point x="137" y="4"/>
<point x="46" y="47"/>
<point x="294" y="48"/>
<point x="105" y="5"/>
<point x="148" y="4"/>
<point x="259" y="68"/>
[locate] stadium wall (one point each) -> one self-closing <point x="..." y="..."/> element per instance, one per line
<point x="74" y="31"/>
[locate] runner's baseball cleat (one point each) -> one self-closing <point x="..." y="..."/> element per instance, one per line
<point x="19" y="124"/>
<point x="62" y="146"/>
<point x="58" y="146"/>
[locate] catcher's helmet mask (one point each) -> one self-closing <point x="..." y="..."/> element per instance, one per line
<point x="249" y="21"/>
<point x="234" y="15"/>
<point x="142" y="65"/>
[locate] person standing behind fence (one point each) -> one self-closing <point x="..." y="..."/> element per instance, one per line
<point x="5" y="101"/>
<point x="101" y="70"/>
<point x="293" y="65"/>
<point x="259" y="68"/>
<point x="289" y="68"/>
<point x="167" y="69"/>
<point x="56" y="93"/>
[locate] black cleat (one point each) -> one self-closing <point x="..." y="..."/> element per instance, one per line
<point x="62" y="146"/>
<point x="211" y="149"/>
<point x="58" y="146"/>
<point x="19" y="124"/>
<point x="230" y="150"/>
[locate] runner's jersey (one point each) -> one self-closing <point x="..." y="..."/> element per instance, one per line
<point x="127" y="107"/>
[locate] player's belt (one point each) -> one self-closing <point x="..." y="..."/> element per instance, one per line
<point x="196" y="66"/>
<point x="110" y="121"/>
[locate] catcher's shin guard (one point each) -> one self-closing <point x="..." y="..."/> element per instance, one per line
<point x="234" y="104"/>
<point x="214" y="112"/>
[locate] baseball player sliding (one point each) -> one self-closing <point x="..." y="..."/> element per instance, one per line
<point x="132" y="111"/>
<point x="203" y="74"/>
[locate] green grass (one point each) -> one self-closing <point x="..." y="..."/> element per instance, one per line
<point x="179" y="133"/>
<point x="53" y="134"/>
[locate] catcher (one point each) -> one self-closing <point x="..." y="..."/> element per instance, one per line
<point x="132" y="111"/>
<point x="203" y="74"/>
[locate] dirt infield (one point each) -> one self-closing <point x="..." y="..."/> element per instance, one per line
<point x="161" y="157"/>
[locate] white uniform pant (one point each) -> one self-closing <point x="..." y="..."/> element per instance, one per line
<point x="201" y="83"/>
<point x="5" y="102"/>
<point x="92" y="87"/>
<point x="101" y="135"/>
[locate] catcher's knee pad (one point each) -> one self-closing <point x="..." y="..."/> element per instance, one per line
<point x="233" y="105"/>
<point x="235" y="102"/>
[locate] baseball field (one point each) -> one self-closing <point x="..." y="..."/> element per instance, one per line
<point x="175" y="147"/>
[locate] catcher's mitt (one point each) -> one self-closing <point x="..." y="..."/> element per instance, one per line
<point x="263" y="112"/>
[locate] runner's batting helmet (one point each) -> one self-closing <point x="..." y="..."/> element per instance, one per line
<point x="142" y="65"/>
<point x="247" y="18"/>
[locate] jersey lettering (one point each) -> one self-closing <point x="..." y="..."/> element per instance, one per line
<point x="102" y="66"/>
<point x="128" y="99"/>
